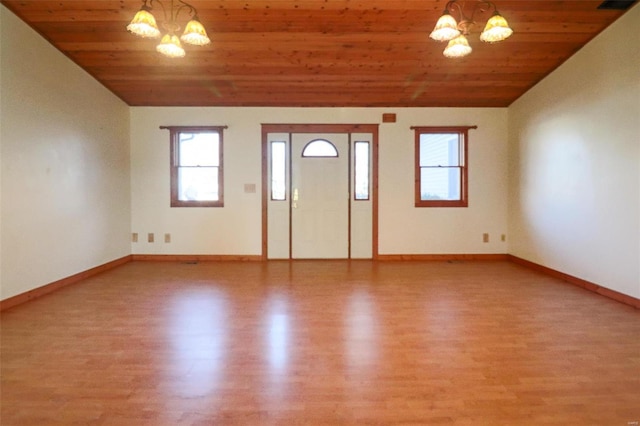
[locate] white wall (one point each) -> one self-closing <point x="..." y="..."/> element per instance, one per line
<point x="575" y="163"/>
<point x="64" y="165"/>
<point x="236" y="228"/>
<point x="405" y="229"/>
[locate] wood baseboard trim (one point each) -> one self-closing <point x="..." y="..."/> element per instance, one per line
<point x="442" y="257"/>
<point x="56" y="285"/>
<point x="195" y="258"/>
<point x="587" y="285"/>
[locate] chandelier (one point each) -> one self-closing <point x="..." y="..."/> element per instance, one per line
<point x="455" y="32"/>
<point x="144" y="25"/>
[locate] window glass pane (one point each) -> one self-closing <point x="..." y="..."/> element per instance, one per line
<point x="198" y="184"/>
<point x="440" y="183"/>
<point x="439" y="149"/>
<point x="320" y="148"/>
<point x="199" y="149"/>
<point x="278" y="171"/>
<point x="361" y="170"/>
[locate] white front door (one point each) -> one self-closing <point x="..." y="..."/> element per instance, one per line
<point x="320" y="196"/>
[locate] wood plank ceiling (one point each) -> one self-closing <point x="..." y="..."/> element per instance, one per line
<point x="317" y="52"/>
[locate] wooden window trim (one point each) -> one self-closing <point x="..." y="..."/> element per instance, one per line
<point x="463" y="132"/>
<point x="173" y="147"/>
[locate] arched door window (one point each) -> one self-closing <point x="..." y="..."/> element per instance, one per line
<point x="320" y="148"/>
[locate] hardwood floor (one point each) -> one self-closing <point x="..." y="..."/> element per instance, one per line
<point x="321" y="342"/>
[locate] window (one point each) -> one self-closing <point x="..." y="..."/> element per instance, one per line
<point x="319" y="148"/>
<point x="196" y="166"/>
<point x="278" y="171"/>
<point x="441" y="166"/>
<point x="361" y="171"/>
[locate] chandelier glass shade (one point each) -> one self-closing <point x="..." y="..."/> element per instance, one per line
<point x="496" y="29"/>
<point x="457" y="48"/>
<point x="455" y="31"/>
<point x="195" y="34"/>
<point x="171" y="47"/>
<point x="446" y="28"/>
<point x="144" y="25"/>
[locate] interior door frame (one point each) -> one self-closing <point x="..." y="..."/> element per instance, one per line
<point x="320" y="128"/>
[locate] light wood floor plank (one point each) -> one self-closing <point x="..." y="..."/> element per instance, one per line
<point x="320" y="342"/>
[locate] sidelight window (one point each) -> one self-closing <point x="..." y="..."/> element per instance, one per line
<point x="278" y="171"/>
<point x="361" y="171"/>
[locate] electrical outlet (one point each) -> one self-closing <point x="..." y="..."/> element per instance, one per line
<point x="503" y="237"/>
<point x="485" y="238"/>
<point x="134" y="237"/>
<point x="150" y="237"/>
<point x="167" y="238"/>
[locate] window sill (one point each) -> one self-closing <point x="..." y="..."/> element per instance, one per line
<point x="455" y="203"/>
<point x="197" y="204"/>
